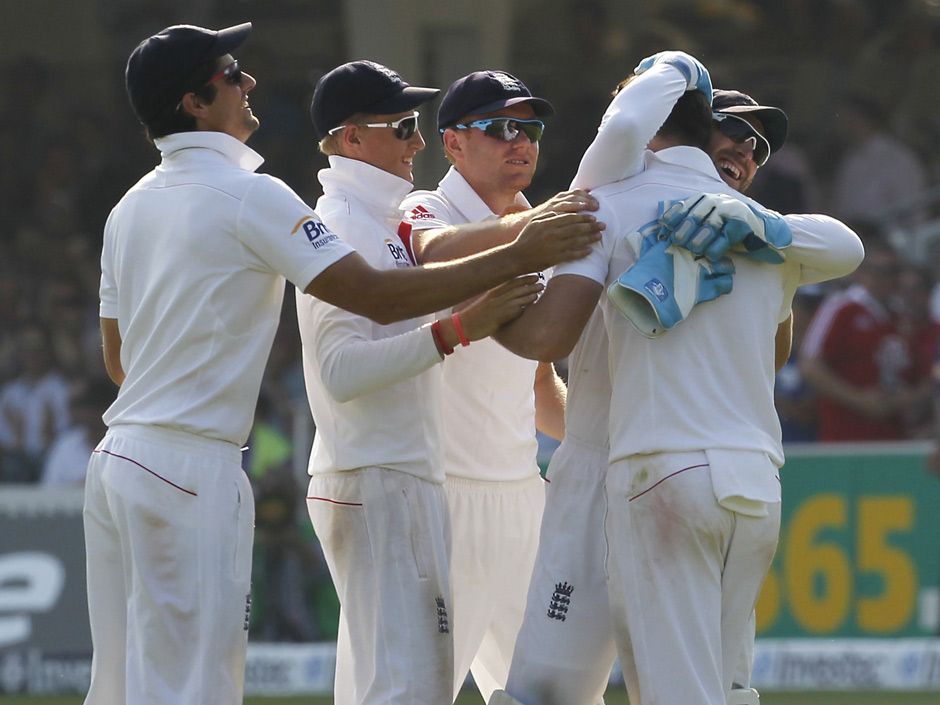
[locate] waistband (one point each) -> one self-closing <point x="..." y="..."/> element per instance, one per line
<point x="161" y="435"/>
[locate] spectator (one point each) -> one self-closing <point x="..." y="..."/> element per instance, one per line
<point x="33" y="408"/>
<point x="795" y="400"/>
<point x="923" y="336"/>
<point x="878" y="173"/>
<point x="855" y="358"/>
<point x="67" y="459"/>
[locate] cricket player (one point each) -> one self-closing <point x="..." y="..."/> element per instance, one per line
<point x="692" y="425"/>
<point x="194" y="262"/>
<point x="565" y="655"/>
<point x="490" y="126"/>
<point x="376" y="498"/>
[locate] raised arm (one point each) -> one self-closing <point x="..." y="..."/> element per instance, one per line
<point x="634" y="116"/>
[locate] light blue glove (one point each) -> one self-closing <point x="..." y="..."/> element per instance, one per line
<point x="696" y="75"/>
<point x="665" y="283"/>
<point x="715" y="225"/>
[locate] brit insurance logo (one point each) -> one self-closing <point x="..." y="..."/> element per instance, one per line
<point x="315" y="230"/>
<point x="398" y="252"/>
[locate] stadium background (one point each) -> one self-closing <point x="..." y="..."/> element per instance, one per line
<point x="855" y="583"/>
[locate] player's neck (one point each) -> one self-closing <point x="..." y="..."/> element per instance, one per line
<point x="498" y="200"/>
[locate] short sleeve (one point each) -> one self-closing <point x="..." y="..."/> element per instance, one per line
<point x="284" y="233"/>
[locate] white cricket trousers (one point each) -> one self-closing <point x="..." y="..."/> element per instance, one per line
<point x="565" y="649"/>
<point x="495" y="529"/>
<point x="168" y="536"/>
<point x="685" y="574"/>
<point x="386" y="538"/>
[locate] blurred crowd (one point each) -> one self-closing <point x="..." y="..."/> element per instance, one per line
<point x="859" y="79"/>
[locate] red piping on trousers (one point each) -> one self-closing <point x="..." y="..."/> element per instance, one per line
<point x="671" y="475"/>
<point x="156" y="475"/>
<point x="336" y="501"/>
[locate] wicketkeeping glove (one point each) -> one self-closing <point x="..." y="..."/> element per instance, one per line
<point x="696" y="75"/>
<point x="665" y="283"/>
<point x="715" y="225"/>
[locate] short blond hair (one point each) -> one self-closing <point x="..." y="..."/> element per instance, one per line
<point x="330" y="144"/>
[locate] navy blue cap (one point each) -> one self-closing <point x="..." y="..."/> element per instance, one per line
<point x="362" y="87"/>
<point x="484" y="92"/>
<point x="161" y="69"/>
<point x="774" y="120"/>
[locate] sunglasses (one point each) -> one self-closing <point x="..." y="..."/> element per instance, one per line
<point x="404" y="127"/>
<point x="231" y="73"/>
<point x="506" y="129"/>
<point x="741" y="131"/>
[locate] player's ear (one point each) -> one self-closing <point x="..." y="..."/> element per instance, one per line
<point x="452" y="144"/>
<point x="351" y="135"/>
<point x="193" y="105"/>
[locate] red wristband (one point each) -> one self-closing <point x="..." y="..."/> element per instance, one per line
<point x="458" y="329"/>
<point x="439" y="339"/>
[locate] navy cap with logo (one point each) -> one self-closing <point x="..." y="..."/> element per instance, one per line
<point x="160" y="71"/>
<point x="774" y="120"/>
<point x="362" y="87"/>
<point x="484" y="92"/>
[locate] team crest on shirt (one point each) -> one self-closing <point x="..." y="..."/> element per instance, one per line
<point x="316" y="231"/>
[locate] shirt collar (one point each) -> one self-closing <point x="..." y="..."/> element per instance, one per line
<point x="232" y="150"/>
<point x="373" y="186"/>
<point x="688" y="157"/>
<point x="461" y="195"/>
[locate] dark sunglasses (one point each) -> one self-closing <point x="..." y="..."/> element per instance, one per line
<point x="404" y="127"/>
<point x="506" y="128"/>
<point x="231" y="73"/>
<point x="739" y="130"/>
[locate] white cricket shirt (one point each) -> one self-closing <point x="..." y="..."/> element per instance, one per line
<point x="489" y="401"/>
<point x="707" y="384"/>
<point x="193" y="267"/>
<point x="374" y="390"/>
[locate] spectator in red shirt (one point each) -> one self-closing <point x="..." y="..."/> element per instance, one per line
<point x="855" y="357"/>
<point x="923" y="338"/>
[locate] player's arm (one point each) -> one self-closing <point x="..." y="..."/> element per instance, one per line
<point x="550" y="393"/>
<point x="548" y="329"/>
<point x="386" y="296"/>
<point x="353" y="362"/>
<point x="783" y="343"/>
<point x="111" y="346"/>
<point x="631" y="120"/>
<point x="824" y="247"/>
<point x="454" y="241"/>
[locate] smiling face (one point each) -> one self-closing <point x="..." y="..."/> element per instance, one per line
<point x="380" y="147"/>
<point x="229" y="112"/>
<point x="734" y="161"/>
<point x="495" y="169"/>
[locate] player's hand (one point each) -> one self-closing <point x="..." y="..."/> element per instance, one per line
<point x="573" y="201"/>
<point x="485" y="314"/>
<point x="696" y="75"/>
<point x="665" y="283"/>
<point x="713" y="224"/>
<point x="551" y="238"/>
